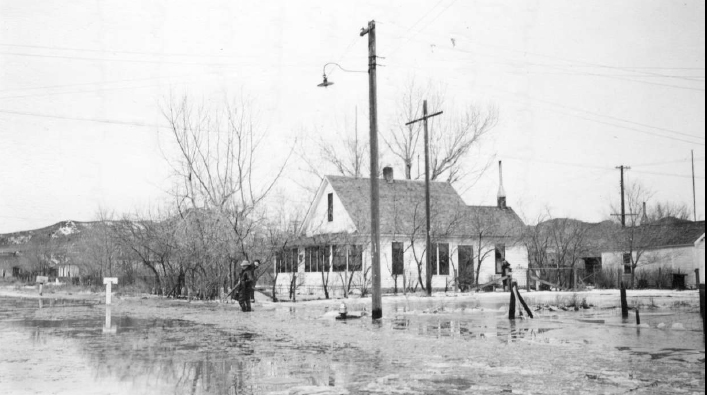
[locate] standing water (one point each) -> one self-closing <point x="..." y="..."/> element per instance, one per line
<point x="63" y="346"/>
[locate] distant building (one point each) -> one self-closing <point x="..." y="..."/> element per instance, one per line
<point x="669" y="246"/>
<point x="333" y="250"/>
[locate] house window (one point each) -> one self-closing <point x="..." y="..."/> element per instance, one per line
<point x="330" y="207"/>
<point x="443" y="258"/>
<point x="398" y="258"/>
<point x="627" y="263"/>
<point x="338" y="258"/>
<point x="310" y="259"/>
<point x="500" y="257"/>
<point x="286" y="261"/>
<point x="294" y="257"/>
<point x="324" y="263"/>
<point x="355" y="258"/>
<point x="433" y="259"/>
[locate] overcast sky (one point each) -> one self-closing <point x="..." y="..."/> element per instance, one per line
<point x="581" y="88"/>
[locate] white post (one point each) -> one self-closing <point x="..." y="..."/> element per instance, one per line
<point x="109" y="281"/>
<point x="108" y="328"/>
<point x="41" y="280"/>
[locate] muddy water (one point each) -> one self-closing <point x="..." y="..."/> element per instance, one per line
<point x="55" y="346"/>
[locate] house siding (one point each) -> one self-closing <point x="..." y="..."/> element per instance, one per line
<point x="678" y="259"/>
<point x="310" y="283"/>
<point x="318" y="221"/>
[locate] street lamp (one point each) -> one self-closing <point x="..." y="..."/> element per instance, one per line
<point x="325" y="82"/>
<point x="376" y="303"/>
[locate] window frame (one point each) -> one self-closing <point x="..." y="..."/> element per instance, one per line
<point x="626" y="259"/>
<point x="355" y="258"/>
<point x="338" y="258"/>
<point x="397" y="253"/>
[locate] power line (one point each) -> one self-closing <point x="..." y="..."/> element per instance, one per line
<point x="668" y="162"/>
<point x="109" y="121"/>
<point x="111" y="51"/>
<point x="425" y="14"/>
<point x="126" y="60"/>
<point x="605" y="116"/>
<point x="580" y="62"/>
<point x="95" y="83"/>
<point x="667" y="174"/>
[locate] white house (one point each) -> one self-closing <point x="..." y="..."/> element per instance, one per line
<point x="333" y="251"/>
<point x="672" y="246"/>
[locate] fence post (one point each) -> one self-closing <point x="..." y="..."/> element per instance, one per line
<point x="527" y="279"/>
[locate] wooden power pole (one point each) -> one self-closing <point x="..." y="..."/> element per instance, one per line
<point x="376" y="303"/>
<point x="694" y="199"/>
<point x="428" y="244"/>
<point x="623" y="200"/>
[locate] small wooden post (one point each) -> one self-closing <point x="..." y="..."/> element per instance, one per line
<point x="108" y="281"/>
<point x="527" y="280"/>
<point x="41" y="280"/>
<point x="624" y="304"/>
<point x="514" y="288"/>
<point x="638" y="317"/>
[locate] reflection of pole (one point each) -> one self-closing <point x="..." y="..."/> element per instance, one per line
<point x="376" y="303"/>
<point x="109" y="327"/>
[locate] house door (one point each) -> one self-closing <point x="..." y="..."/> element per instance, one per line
<point x="466" y="267"/>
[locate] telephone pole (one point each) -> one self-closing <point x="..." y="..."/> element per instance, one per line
<point x="623" y="203"/>
<point x="376" y="303"/>
<point x="428" y="248"/>
<point x="694" y="199"/>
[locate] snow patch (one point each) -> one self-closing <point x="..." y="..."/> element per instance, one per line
<point x="19" y="239"/>
<point x="68" y="228"/>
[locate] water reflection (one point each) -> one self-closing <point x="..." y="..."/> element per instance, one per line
<point x="107" y="327"/>
<point x="178" y="357"/>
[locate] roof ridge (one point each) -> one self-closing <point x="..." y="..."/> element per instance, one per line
<point x="383" y="179"/>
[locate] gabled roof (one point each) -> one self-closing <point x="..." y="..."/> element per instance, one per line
<point x="676" y="233"/>
<point x="402" y="207"/>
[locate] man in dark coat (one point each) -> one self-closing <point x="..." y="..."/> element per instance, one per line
<point x="245" y="286"/>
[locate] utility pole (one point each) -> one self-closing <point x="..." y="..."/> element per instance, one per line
<point x="428" y="244"/>
<point x="694" y="199"/>
<point x="623" y="203"/>
<point x="376" y="303"/>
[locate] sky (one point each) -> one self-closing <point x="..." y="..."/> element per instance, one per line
<point x="581" y="87"/>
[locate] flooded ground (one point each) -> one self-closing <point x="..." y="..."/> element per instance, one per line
<point x="422" y="346"/>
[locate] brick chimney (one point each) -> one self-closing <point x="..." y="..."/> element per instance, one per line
<point x="501" y="198"/>
<point x="388" y="174"/>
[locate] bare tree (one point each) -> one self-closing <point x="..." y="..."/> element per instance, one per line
<point x="220" y="169"/>
<point x="638" y="236"/>
<point x="666" y="209"/>
<point x="451" y="136"/>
